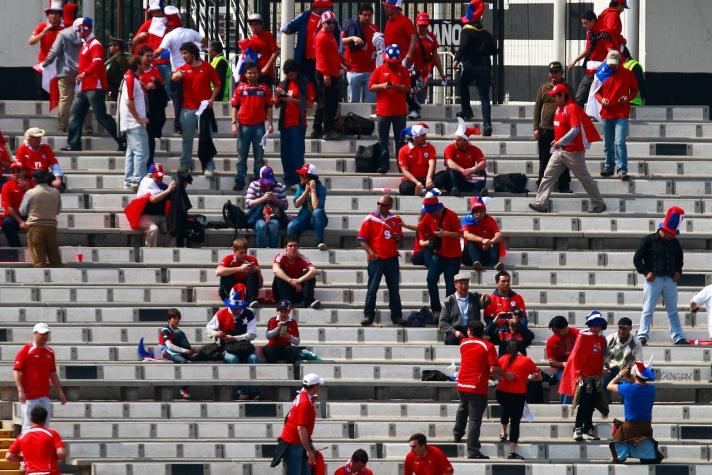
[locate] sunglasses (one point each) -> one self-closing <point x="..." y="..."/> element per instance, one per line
<point x="384" y="204"/>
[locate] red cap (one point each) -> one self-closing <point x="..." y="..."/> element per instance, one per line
<point x="158" y="171"/>
<point x="476" y="202"/>
<point x="322" y="4"/>
<point x="422" y="19"/>
<point x="558" y="89"/>
<point x="308" y="169"/>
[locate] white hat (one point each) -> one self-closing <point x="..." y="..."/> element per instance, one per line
<point x="255" y="17"/>
<point x="463" y="131"/>
<point x="171" y="10"/>
<point x="77" y="23"/>
<point x="312" y="379"/>
<point x="154" y="5"/>
<point x="41" y="328"/>
<point x="613" y="57"/>
<point x="55" y="6"/>
<point x="34" y="132"/>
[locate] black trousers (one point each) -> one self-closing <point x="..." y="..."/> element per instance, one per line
<point x="544" y="143"/>
<point x="384" y="123"/>
<point x="584" y="412"/>
<point x="512" y="410"/>
<point x="327" y="103"/>
<point x="282" y="290"/>
<point x="583" y="89"/>
<point x="274" y="354"/>
<point x="451" y="339"/>
<point x="307" y="68"/>
<point x="470" y="411"/>
<point x="482" y="77"/>
<point x="441" y="180"/>
<point x="251" y="281"/>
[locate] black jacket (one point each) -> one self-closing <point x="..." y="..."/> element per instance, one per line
<point x="476" y="47"/>
<point x="177" y="218"/>
<point x="662" y="258"/>
<point x="206" y="147"/>
<point x="501" y="335"/>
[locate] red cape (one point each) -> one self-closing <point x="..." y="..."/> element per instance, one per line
<point x="134" y="209"/>
<point x="580" y="352"/>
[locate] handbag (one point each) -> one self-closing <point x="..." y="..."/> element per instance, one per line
<point x="367" y="157"/>
<point x="241" y="348"/>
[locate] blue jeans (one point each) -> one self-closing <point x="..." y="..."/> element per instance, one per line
<point x="422" y="257"/>
<point x="267" y="234"/>
<point x="317" y="221"/>
<point x="249" y="134"/>
<point x="457" y="180"/>
<point x="292" y="153"/>
<point x="296" y="460"/>
<point x="189" y="125"/>
<point x="77" y="114"/>
<point x="441" y="265"/>
<point x="615" y="132"/>
<point x="563" y="399"/>
<point x="165" y="72"/>
<point x="234" y="359"/>
<point x="474" y="253"/>
<point x="378" y="268"/>
<point x="651" y="291"/>
<point x="136" y="155"/>
<point x="358" y="87"/>
<point x="11" y="228"/>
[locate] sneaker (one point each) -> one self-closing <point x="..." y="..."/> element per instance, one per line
<point x="591" y="435"/>
<point x="499" y="266"/>
<point x="185" y="394"/>
<point x="414" y="115"/>
<point x="514" y="456"/>
<point x="128" y="186"/>
<point x="322" y="246"/>
<point x="682" y="341"/>
<point x="382" y="170"/>
<point x="315" y="304"/>
<point x="366" y="322"/>
<point x="503" y="437"/>
<point x="373" y="116"/>
<point x="643" y="341"/>
<point x="477" y="455"/>
<point x="477" y="266"/>
<point x="487" y="130"/>
<point x="71" y="149"/>
<point x="623" y="176"/>
<point x="599" y="208"/>
<point x="238" y="186"/>
<point x="539" y="208"/>
<point x="254" y="304"/>
<point x="243" y="396"/>
<point x="606" y="172"/>
<point x="466" y="115"/>
<point x="578" y="436"/>
<point x="209" y="173"/>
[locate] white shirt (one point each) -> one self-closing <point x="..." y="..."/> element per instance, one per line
<point x="126" y="119"/>
<point x="704" y="298"/>
<point x="148" y="185"/>
<point x="177" y="37"/>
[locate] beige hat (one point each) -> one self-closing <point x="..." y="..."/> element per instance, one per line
<point x="34" y="132"/>
<point x="462" y="276"/>
<point x="613" y="57"/>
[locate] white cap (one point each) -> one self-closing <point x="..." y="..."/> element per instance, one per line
<point x="41" y="328"/>
<point x="255" y="17"/>
<point x="154" y="5"/>
<point x="171" y="10"/>
<point x="613" y="57"/>
<point x="312" y="379"/>
<point x="77" y="23"/>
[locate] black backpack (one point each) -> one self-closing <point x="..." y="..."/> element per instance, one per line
<point x="353" y="124"/>
<point x="367" y="157"/>
<point x="195" y="229"/>
<point x="420" y="318"/>
<point x="511" y="183"/>
<point x="234" y="217"/>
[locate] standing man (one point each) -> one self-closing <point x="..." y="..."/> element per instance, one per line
<point x="299" y="427"/>
<point x="425" y="59"/>
<point x="609" y="20"/>
<point x="132" y="123"/>
<point x="221" y="65"/>
<point x="544" y="111"/>
<point x="157" y="99"/>
<point x="380" y="236"/>
<point x="703" y="298"/>
<point x="328" y="70"/>
<point x="359" y="53"/>
<point x="478" y="360"/>
<point x="13" y="190"/>
<point x="573" y="134"/>
<point x="92" y="84"/>
<point x="466" y="164"/>
<point x="391" y="83"/>
<point x="263" y="43"/>
<point x="399" y="30"/>
<point x="615" y="95"/>
<point x="41" y="205"/>
<point x="39" y="447"/>
<point x="310" y="198"/>
<point x="32" y="371"/>
<point x="65" y="51"/>
<point x="476" y="47"/>
<point x="45" y="34"/>
<point x="424" y="459"/>
<point x="459" y="309"/>
<point x="659" y="258"/>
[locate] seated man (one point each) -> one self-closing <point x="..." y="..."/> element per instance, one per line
<point x="465" y="162"/>
<point x="507" y="327"/>
<point x="459" y="308"/>
<point x="12" y="193"/>
<point x="482" y="238"/>
<point x="559" y="346"/>
<point x="356" y="466"/>
<point x="172" y="342"/>
<point x="239" y="267"/>
<point x="36" y="155"/>
<point x="234" y="327"/>
<point x="282" y="335"/>
<point x="153" y="216"/>
<point x="416" y="160"/>
<point x="266" y="201"/>
<point x="504" y="299"/>
<point x="623" y="349"/>
<point x="294" y="276"/>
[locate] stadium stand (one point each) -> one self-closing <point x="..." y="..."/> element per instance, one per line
<point x="125" y="416"/>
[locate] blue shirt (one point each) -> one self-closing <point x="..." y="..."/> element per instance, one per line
<point x="307" y="209"/>
<point x="638" y="401"/>
<point x="464" y="305"/>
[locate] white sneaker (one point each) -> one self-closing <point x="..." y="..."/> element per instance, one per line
<point x="209" y="173"/>
<point x="322" y="247"/>
<point x="315" y="304"/>
<point x="414" y="115"/>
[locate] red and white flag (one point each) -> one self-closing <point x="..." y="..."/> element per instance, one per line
<point x="50" y="83"/>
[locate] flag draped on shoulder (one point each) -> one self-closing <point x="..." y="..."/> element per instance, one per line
<point x="593" y="107"/>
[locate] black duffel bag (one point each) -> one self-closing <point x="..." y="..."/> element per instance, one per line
<point x="353" y="124"/>
<point x="510" y="183"/>
<point x="367" y="157"/>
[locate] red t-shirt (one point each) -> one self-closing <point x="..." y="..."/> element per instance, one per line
<point x="417" y="159"/>
<point x="477" y="356"/>
<point x="252" y="103"/>
<point x="38" y="446"/>
<point x="312" y="24"/>
<point x="450" y="222"/>
<point x="264" y="45"/>
<point x="151" y="75"/>
<point x="12" y="194"/>
<point x="567" y="117"/>
<point x="91" y="62"/>
<point x="40" y="159"/>
<point x="599" y="50"/>
<point x="421" y="234"/>
<point x="399" y="30"/>
<point x="390" y="102"/>
<point x="231" y="261"/>
<point x="362" y="60"/>
<point x="302" y="414"/>
<point x="593" y="364"/>
<point x="522" y="367"/>
<point x="328" y="59"/>
<point x="504" y="303"/>
<point x="291" y="110"/>
<point x="559" y="348"/>
<point x="434" y="463"/>
<point x="197" y="83"/>
<point x="294" y="268"/>
<point x="290" y="328"/>
<point x="381" y="234"/>
<point x="467" y="159"/>
<point x="485" y="229"/>
<point x="621" y="83"/>
<point x="46" y="41"/>
<point x="348" y="470"/>
<point x="424" y="53"/>
<point x="35" y="365"/>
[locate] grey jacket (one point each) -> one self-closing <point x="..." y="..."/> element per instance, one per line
<point x="450" y="315"/>
<point x="65" y="51"/>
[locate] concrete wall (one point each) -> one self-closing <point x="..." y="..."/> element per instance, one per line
<point x="18" y="18"/>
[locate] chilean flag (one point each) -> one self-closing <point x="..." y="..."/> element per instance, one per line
<point x="593" y="107"/>
<point x="581" y="351"/>
<point x="50" y="83"/>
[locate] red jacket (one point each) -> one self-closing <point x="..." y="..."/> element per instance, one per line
<point x="91" y="62"/>
<point x="610" y="20"/>
<point x="621" y="83"/>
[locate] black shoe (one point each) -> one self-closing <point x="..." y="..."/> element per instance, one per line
<point x="514" y="456"/>
<point x="121" y="147"/>
<point x="238" y="186"/>
<point x="682" y="341"/>
<point x="565" y="190"/>
<point x="366" y="322"/>
<point x="539" y="208"/>
<point x="400" y="322"/>
<point x="457" y="438"/>
<point x="487" y="130"/>
<point x="484" y="192"/>
<point x="477" y="455"/>
<point x="69" y="148"/>
<point x="466" y="115"/>
<point x="606" y="172"/>
<point x="643" y="341"/>
<point x="177" y="129"/>
<point x="316" y="134"/>
<point x="382" y="170"/>
<point x="455" y="192"/>
<point x="333" y="136"/>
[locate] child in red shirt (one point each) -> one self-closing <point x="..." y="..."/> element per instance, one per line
<point x="251" y="107"/>
<point x="482" y="238"/>
<point x="328" y="70"/>
<point x="282" y="335"/>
